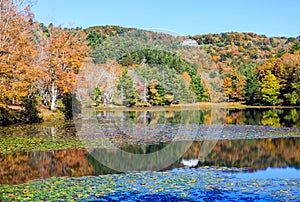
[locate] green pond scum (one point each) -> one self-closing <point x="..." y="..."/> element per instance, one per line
<point x="201" y="184"/>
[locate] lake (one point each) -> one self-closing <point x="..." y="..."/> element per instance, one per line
<point x="238" y="154"/>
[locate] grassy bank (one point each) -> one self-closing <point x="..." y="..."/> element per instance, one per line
<point x="190" y="106"/>
<point x="49" y="115"/>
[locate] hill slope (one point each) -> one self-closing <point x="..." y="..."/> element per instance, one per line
<point x="231" y="65"/>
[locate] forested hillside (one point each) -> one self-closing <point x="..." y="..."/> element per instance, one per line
<point x="39" y="65"/>
<point x="248" y="67"/>
<point x="255" y="68"/>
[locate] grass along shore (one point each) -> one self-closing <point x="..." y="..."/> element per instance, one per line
<point x="189" y="106"/>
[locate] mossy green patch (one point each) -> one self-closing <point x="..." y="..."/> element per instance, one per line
<point x="209" y="183"/>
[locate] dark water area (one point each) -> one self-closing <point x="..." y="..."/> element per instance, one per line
<point x="252" y="155"/>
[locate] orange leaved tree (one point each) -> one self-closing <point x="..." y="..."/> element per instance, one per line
<point x="18" y="72"/>
<point x="63" y="52"/>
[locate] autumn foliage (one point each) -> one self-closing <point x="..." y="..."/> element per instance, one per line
<point x="63" y="53"/>
<point x="34" y="59"/>
<point x="18" y="51"/>
<point x="44" y="62"/>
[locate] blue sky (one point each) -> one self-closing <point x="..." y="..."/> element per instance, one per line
<point x="186" y="17"/>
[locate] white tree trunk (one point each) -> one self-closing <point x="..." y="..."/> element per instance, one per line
<point x="53" y="97"/>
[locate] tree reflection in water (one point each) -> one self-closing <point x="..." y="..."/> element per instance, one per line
<point x="254" y="154"/>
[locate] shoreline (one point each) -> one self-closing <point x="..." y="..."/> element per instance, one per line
<point x="49" y="116"/>
<point x="193" y="106"/>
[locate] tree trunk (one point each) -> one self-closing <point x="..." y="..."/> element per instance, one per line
<point x="53" y="97"/>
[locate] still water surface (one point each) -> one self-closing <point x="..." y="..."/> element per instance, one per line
<point x="265" y="143"/>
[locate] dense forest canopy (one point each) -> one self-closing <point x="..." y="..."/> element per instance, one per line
<point x="42" y="62"/>
<point x="238" y="62"/>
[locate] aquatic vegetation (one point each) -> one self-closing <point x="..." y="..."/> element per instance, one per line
<point x="13" y="144"/>
<point x="203" y="183"/>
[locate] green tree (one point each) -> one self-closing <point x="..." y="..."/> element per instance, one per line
<point x="252" y="87"/>
<point x="95" y="38"/>
<point x="295" y="47"/>
<point x="270" y="89"/>
<point x="127" y="90"/>
<point x="31" y="112"/>
<point x="97" y="95"/>
<point x="292" y="97"/>
<point x="198" y="88"/>
<point x="280" y="53"/>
